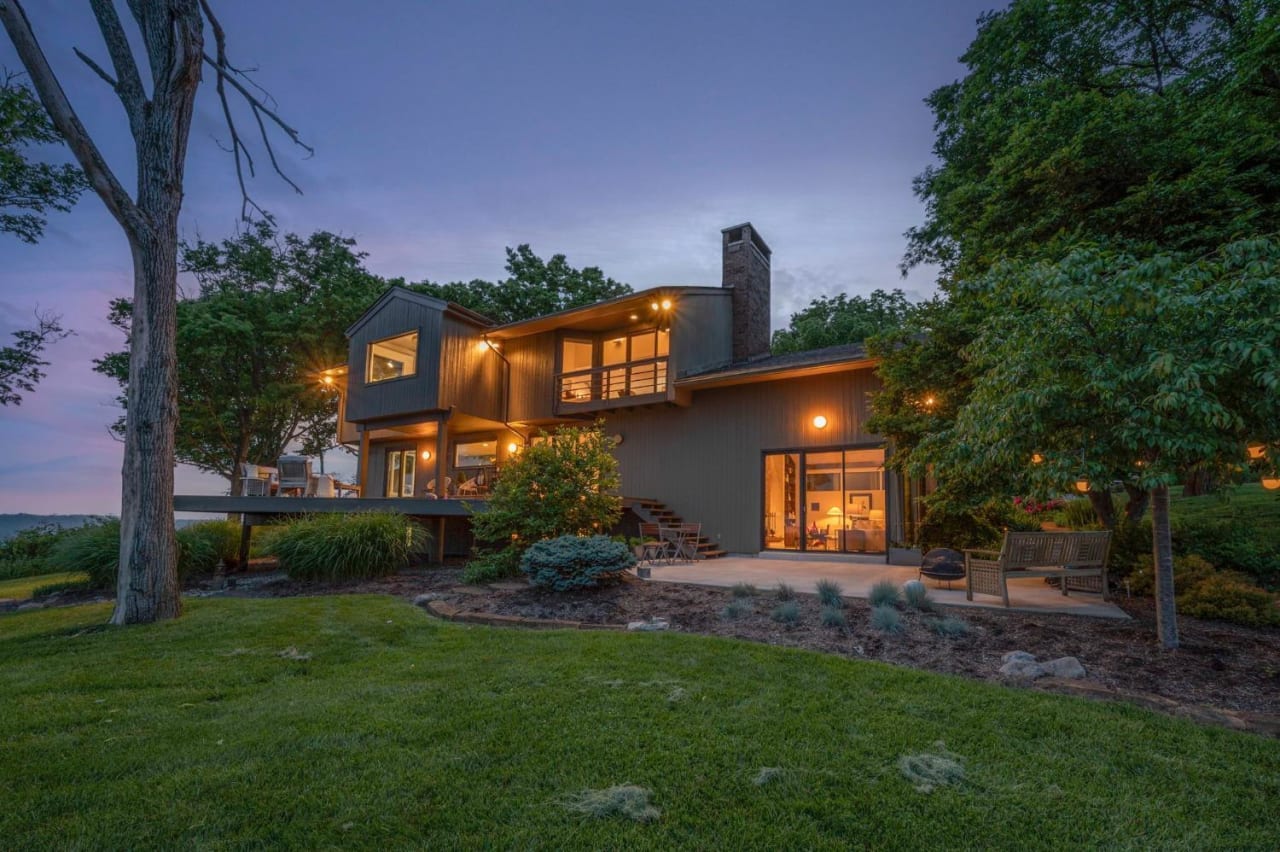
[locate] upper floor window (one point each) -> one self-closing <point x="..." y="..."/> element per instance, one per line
<point x="392" y="358"/>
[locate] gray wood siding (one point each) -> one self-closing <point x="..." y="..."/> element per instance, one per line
<point x="705" y="461"/>
<point x="470" y="374"/>
<point x="412" y="393"/>
<point x="533" y="364"/>
<point x="701" y="332"/>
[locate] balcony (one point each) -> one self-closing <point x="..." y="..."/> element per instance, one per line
<point x="614" y="386"/>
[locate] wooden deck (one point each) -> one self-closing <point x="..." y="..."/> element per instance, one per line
<point x="269" y="507"/>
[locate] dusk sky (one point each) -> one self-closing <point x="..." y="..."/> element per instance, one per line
<point x="625" y="135"/>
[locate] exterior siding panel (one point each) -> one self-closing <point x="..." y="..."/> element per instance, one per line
<point x="412" y="393"/>
<point x="533" y="388"/>
<point x="705" y="461"/>
<point x="471" y="375"/>
<point x="702" y="332"/>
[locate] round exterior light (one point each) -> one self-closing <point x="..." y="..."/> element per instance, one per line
<point x="328" y="380"/>
<point x="513" y="447"/>
<point x="1082" y="485"/>
<point x="426" y="455"/>
<point x="653" y="306"/>
<point x="1271" y="483"/>
<point x="820" y="422"/>
<point x="666" y="304"/>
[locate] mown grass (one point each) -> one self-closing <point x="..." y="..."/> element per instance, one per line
<point x="22" y="588"/>
<point x="1249" y="501"/>
<point x="399" y="731"/>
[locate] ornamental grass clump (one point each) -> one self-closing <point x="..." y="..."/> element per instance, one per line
<point x="885" y="593"/>
<point x="916" y="596"/>
<point x="787" y="612"/>
<point x="744" y="590"/>
<point x="347" y="547"/>
<point x="576" y="562"/>
<point x="625" y="800"/>
<point x="886" y="619"/>
<point x="830" y="593"/>
<point x="833" y="616"/>
<point x="949" y="627"/>
<point x="93" y="549"/>
<point x="784" y="592"/>
<point x="735" y="609"/>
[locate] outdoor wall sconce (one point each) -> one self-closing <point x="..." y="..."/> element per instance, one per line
<point x="1271" y="483"/>
<point x="426" y="455"/>
<point x="820" y="422"/>
<point x="616" y="438"/>
<point x="513" y="447"/>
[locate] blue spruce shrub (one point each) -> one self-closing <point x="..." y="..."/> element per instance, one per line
<point x="576" y="562"/>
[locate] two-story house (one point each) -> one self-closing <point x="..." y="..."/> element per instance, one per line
<point x="768" y="452"/>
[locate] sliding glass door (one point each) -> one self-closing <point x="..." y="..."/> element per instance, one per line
<point x="825" y="501"/>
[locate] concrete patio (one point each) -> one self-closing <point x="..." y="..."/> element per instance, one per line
<point x="856" y="576"/>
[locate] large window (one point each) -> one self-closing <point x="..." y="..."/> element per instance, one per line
<point x="392" y="358"/>
<point x="476" y="454"/>
<point x="615" y="366"/>
<point x="825" y="500"/>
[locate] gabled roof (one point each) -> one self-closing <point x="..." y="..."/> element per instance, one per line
<point x="404" y="294"/>
<point x="829" y="359"/>
<point x="633" y="301"/>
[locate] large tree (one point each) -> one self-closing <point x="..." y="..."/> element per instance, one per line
<point x="533" y="287"/>
<point x="159" y="108"/>
<point x="831" y="321"/>
<point x="1108" y="367"/>
<point x="29" y="188"/>
<point x="269" y="312"/>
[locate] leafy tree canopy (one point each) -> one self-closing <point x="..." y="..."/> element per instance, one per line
<point x="1139" y="124"/>
<point x="22" y="364"/>
<point x="26" y="185"/>
<point x="269" y="312"/>
<point x="533" y="288"/>
<point x="831" y="321"/>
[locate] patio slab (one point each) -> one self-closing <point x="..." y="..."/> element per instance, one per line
<point x="856" y="576"/>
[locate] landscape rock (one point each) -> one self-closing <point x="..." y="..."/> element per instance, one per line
<point x="1022" y="670"/>
<point x="32" y="605"/>
<point x="650" y="625"/>
<point x="1018" y="656"/>
<point x="426" y="598"/>
<point x="1064" y="667"/>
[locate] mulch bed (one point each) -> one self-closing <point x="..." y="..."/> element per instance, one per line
<point x="1220" y="665"/>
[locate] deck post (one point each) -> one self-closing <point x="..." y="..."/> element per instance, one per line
<point x="246" y="533"/>
<point x="363" y="474"/>
<point x="439" y="542"/>
<point x="443" y="470"/>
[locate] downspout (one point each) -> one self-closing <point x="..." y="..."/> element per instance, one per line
<point x="506" y="391"/>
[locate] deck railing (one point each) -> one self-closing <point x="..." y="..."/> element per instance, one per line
<point x="614" y="382"/>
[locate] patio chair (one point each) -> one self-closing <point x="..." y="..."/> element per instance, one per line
<point x="320" y="485"/>
<point x="653" y="547"/>
<point x="295" y="474"/>
<point x="448" y="486"/>
<point x="256" y="480"/>
<point x="688" y="540"/>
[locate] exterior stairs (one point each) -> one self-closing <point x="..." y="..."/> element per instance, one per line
<point x="657" y="512"/>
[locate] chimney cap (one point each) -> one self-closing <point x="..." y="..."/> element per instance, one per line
<point x="756" y="239"/>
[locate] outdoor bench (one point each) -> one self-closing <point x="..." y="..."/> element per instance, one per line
<point x="1064" y="556"/>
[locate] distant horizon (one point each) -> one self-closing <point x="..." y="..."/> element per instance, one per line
<point x="622" y="137"/>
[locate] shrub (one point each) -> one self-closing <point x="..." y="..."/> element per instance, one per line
<point x="93" y="549"/>
<point x="56" y="588"/>
<point x="1077" y="514"/>
<point x="885" y="593"/>
<point x="1225" y="597"/>
<point x="26" y="552"/>
<point x="576" y="562"/>
<point x="886" y="619"/>
<point x="347" y="547"/>
<point x="735" y="609"/>
<point x="916" y="595"/>
<point x="830" y="593"/>
<point x="744" y="590"/>
<point x="489" y="567"/>
<point x="984" y="526"/>
<point x="833" y="616"/>
<point x="784" y="592"/>
<point x="1234" y="544"/>
<point x="1188" y="571"/>
<point x="220" y="537"/>
<point x="787" y="612"/>
<point x="949" y="627"/>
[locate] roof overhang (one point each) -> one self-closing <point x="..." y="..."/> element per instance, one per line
<point x="748" y="375"/>
<point x="602" y="316"/>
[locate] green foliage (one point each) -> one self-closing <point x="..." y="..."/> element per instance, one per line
<point x="783" y="592"/>
<point x="885" y="593"/>
<point x="26" y="552"/>
<point x="833" y="616"/>
<point x="830" y="593"/>
<point x="1077" y="514"/>
<point x="735" y="609"/>
<point x="572" y="562"/>
<point x="25" y="184"/>
<point x="842" y="319"/>
<point x="491" y="567"/>
<point x="59" y="587"/>
<point x="949" y="627"/>
<point x="1188" y="571"/>
<point x="93" y="549"/>
<point x="533" y="288"/>
<point x="886" y="619"/>
<point x="270" y="311"/>
<point x="1235" y="544"/>
<point x="347" y="547"/>
<point x="22" y="364"/>
<point x="916" y="596"/>
<point x="787" y="612"/>
<point x="744" y="590"/>
<point x="210" y="542"/>
<point x="566" y="485"/>
<point x="1224" y="597"/>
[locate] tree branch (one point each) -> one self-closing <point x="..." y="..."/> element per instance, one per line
<point x="96" y="68"/>
<point x="54" y="99"/>
<point x="129" y="85"/>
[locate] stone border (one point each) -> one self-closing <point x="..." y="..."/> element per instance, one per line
<point x="449" y="612"/>
<point x="1237" y="720"/>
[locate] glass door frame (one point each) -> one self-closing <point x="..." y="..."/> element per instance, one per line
<point x="802" y="453"/>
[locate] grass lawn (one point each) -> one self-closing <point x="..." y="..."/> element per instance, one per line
<point x="21" y="588"/>
<point x="402" y="731"/>
<point x="1250" y="501"/>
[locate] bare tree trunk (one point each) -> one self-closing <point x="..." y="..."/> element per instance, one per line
<point x="148" y="583"/>
<point x="1162" y="558"/>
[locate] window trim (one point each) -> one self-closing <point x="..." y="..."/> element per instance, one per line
<point x="368" y="356"/>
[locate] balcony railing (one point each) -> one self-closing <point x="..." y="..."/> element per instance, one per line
<point x="616" y="383"/>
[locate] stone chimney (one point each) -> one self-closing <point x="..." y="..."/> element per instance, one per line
<point x="746" y="272"/>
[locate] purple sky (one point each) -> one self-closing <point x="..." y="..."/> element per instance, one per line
<point x="622" y="134"/>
